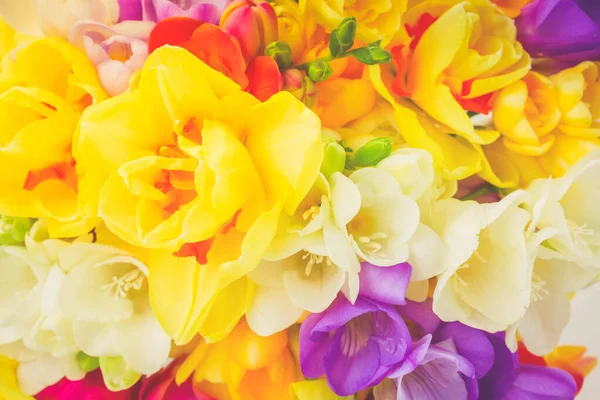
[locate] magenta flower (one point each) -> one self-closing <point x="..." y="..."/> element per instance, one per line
<point x="358" y="345"/>
<point x="203" y="10"/>
<point x="89" y="388"/>
<point x="162" y="386"/>
<point x="565" y="30"/>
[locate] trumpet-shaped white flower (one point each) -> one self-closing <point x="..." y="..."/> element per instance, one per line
<point x="310" y="261"/>
<point x="491" y="256"/>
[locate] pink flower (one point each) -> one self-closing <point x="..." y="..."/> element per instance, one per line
<point x="89" y="388"/>
<point x="117" y="51"/>
<point x="162" y="386"/>
<point x="203" y="10"/>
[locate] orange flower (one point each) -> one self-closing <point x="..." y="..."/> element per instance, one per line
<point x="212" y="45"/>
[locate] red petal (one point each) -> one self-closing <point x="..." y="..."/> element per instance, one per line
<point x="210" y="44"/>
<point x="174" y="31"/>
<point x="265" y="78"/>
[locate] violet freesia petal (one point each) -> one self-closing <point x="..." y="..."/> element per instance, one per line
<point x="130" y="10"/>
<point x="341" y="311"/>
<point x="502" y="374"/>
<point x="470" y="343"/>
<point x="422" y="314"/>
<point x="313" y="346"/>
<point x="543" y="383"/>
<point x="567" y="30"/>
<point x="203" y="10"/>
<point x="385" y="284"/>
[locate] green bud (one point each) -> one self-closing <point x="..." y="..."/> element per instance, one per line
<point x="372" y="54"/>
<point x="342" y="38"/>
<point x="373" y="152"/>
<point x="87" y="363"/>
<point x="13" y="230"/>
<point x="116" y="373"/>
<point x="334" y="158"/>
<point x="319" y="70"/>
<point x="281" y="53"/>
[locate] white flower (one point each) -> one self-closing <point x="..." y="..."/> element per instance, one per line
<point x="387" y="218"/>
<point x="56" y="17"/>
<point x="312" y="259"/>
<point x="105" y="294"/>
<point x="491" y="255"/>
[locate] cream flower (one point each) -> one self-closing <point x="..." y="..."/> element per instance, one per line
<point x="311" y="259"/>
<point x="491" y="254"/>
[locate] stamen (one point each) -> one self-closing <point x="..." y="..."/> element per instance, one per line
<point x="371" y="243"/>
<point x="314" y="259"/>
<point x="311" y="213"/>
<point x="538" y="292"/>
<point x="578" y="231"/>
<point x="120" y="286"/>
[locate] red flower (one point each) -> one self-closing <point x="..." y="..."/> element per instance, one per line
<point x="212" y="45"/>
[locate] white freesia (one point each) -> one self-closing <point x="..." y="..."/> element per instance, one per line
<point x="310" y="261"/>
<point x="59" y="298"/>
<point x="491" y="256"/>
<point x="414" y="171"/>
<point x="570" y="205"/>
<point x="56" y="17"/>
<point x="387" y="218"/>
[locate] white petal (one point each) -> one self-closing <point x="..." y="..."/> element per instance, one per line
<point x="412" y="169"/>
<point x="316" y="291"/>
<point x="21" y="16"/>
<point x="142" y="342"/>
<point x="345" y="199"/>
<point x="271" y="311"/>
<point x="427" y="254"/>
<point x="95" y="339"/>
<point x="542" y="325"/>
<point x="339" y="248"/>
<point x="36" y="375"/>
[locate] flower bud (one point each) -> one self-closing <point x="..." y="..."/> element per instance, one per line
<point x="342" y="39"/>
<point x="373" y="152"/>
<point x="319" y="70"/>
<point x="300" y="85"/>
<point x="372" y="54"/>
<point x="281" y="53"/>
<point x="253" y="23"/>
<point x="13" y="230"/>
<point x="117" y="374"/>
<point x="334" y="158"/>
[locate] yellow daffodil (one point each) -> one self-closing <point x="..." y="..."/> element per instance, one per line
<point x="168" y="167"/>
<point x="377" y="19"/>
<point x="452" y="56"/>
<point x="244" y="366"/>
<point x="44" y="87"/>
<point x="525" y="113"/>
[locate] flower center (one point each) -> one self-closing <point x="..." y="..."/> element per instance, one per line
<point x="64" y="171"/>
<point x="538" y="292"/>
<point x="312" y="213"/>
<point x="314" y="259"/>
<point x="120" y="286"/>
<point x="371" y="242"/>
<point x="579" y="233"/>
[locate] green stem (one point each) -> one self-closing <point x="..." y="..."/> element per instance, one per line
<point x="327" y="59"/>
<point x="485" y="189"/>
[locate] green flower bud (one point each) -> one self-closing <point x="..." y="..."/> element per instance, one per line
<point x="87" y="363"/>
<point x="281" y="53"/>
<point x="319" y="70"/>
<point x="13" y="230"/>
<point x="373" y="152"/>
<point x="334" y="158"/>
<point x="342" y="38"/>
<point x="372" y="54"/>
<point x="116" y="373"/>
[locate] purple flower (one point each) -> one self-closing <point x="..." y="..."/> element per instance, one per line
<point x="509" y="380"/>
<point x="566" y="30"/>
<point x="156" y="10"/>
<point x="358" y="345"/>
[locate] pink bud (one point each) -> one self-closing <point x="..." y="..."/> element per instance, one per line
<point x="253" y="23"/>
<point x="297" y="83"/>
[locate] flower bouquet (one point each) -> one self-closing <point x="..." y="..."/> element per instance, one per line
<point x="303" y="200"/>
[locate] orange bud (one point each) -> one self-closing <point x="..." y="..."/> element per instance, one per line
<point x="253" y="23"/>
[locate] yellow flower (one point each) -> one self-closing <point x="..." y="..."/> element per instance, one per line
<point x="452" y="56"/>
<point x="525" y="113"/>
<point x="190" y="164"/>
<point x="290" y="25"/>
<point x="244" y="366"/>
<point x="377" y="19"/>
<point x="578" y="92"/>
<point x="9" y="388"/>
<point x="44" y="87"/>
